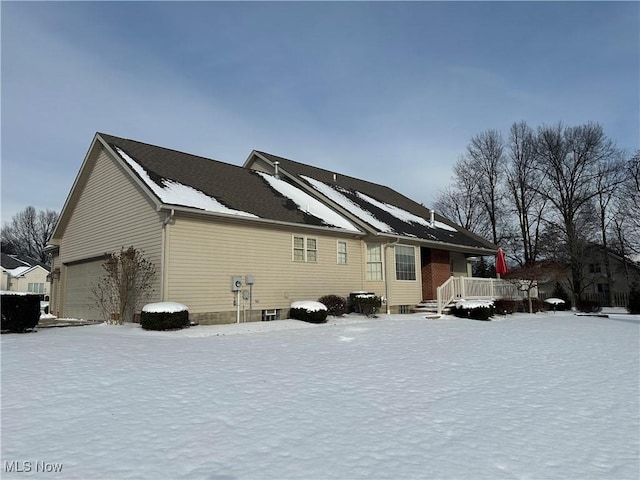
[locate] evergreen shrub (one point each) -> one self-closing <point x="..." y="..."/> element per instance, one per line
<point x="367" y="304"/>
<point x="307" y="313"/>
<point x="20" y="313"/>
<point x="164" y="320"/>
<point x="505" y="306"/>
<point x="477" y="312"/>
<point x="559" y="292"/>
<point x="336" y="305"/>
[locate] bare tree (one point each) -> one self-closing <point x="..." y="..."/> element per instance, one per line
<point x="568" y="160"/>
<point x="486" y="160"/>
<point x="610" y="175"/>
<point x="523" y="180"/>
<point x="459" y="203"/>
<point x="28" y="232"/>
<point x="126" y="283"/>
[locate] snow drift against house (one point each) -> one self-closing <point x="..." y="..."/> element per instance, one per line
<point x="307" y="204"/>
<point x="175" y="193"/>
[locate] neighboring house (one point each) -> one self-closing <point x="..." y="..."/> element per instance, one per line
<point x="24" y="274"/>
<point x="612" y="290"/>
<point x="285" y="230"/>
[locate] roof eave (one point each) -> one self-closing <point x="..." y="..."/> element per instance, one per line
<point x="455" y="247"/>
<point x="243" y="218"/>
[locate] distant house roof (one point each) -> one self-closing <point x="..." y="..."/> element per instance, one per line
<point x="182" y="179"/>
<point x="382" y="208"/>
<point x="18" y="264"/>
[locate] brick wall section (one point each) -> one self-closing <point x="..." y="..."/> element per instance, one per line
<point x="436" y="269"/>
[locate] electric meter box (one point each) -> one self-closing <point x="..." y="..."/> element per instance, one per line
<point x="236" y="284"/>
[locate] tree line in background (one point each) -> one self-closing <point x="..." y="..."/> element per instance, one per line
<point x="545" y="194"/>
<point x="28" y="232"/>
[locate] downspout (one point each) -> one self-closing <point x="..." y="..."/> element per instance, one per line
<point x="386" y="270"/>
<point x="164" y="257"/>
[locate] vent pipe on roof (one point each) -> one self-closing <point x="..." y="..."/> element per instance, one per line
<point x="335" y="177"/>
<point x="432" y="218"/>
<point x="276" y="171"/>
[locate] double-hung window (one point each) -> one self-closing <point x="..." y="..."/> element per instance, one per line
<point x="305" y="249"/>
<point x="374" y="262"/>
<point x="405" y="262"/>
<point x="342" y="252"/>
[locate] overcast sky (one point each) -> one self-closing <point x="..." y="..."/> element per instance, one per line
<point x="388" y="92"/>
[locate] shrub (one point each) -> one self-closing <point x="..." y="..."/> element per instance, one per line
<point x="312" y="312"/>
<point x="336" y="305"/>
<point x="588" y="306"/>
<point x="559" y="292"/>
<point x="20" y="312"/>
<point x="504" y="306"/>
<point x="164" y="316"/>
<point x="634" y="299"/>
<point x="367" y="304"/>
<point x="476" y="310"/>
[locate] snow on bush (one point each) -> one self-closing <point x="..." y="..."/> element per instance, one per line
<point x="476" y="309"/>
<point x="164" y="307"/>
<point x="164" y="316"/>
<point x="309" y="311"/>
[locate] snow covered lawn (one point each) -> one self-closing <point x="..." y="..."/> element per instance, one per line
<point x="550" y="396"/>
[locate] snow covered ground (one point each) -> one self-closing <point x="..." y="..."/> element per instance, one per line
<point x="547" y="396"/>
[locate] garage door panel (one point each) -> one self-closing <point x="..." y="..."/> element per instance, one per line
<point x="80" y="278"/>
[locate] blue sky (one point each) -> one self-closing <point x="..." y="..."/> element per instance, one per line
<point x="388" y="92"/>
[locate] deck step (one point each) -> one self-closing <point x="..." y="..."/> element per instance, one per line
<point x="430" y="306"/>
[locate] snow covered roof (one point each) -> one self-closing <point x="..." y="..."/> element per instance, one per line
<point x="304" y="195"/>
<point x="200" y="183"/>
<point x="17" y="265"/>
<point x="382" y="208"/>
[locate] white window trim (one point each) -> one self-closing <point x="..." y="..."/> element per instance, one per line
<point x="305" y="247"/>
<point x="345" y="253"/>
<point x="380" y="262"/>
<point x="395" y="264"/>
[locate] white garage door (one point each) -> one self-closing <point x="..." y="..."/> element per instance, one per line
<point x="80" y="278"/>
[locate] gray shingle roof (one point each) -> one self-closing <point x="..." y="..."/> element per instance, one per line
<point x="244" y="190"/>
<point x="235" y="187"/>
<point x="348" y="186"/>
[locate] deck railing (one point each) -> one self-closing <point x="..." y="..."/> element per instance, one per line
<point x="471" y="288"/>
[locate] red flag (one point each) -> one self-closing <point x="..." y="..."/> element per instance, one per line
<point x="501" y="263"/>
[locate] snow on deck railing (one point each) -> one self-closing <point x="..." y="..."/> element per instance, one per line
<point x="478" y="289"/>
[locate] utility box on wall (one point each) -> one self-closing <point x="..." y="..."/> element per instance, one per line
<point x="236" y="283"/>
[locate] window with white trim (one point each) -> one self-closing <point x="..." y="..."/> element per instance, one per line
<point x="342" y="252"/>
<point x="305" y="249"/>
<point x="374" y="262"/>
<point x="405" y="262"/>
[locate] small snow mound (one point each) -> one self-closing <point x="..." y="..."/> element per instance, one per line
<point x="164" y="307"/>
<point x="309" y="306"/>
<point x="554" y="301"/>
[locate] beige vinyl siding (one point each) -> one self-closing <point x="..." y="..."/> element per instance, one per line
<point x="205" y="252"/>
<point x="403" y="292"/>
<point x="109" y="212"/>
